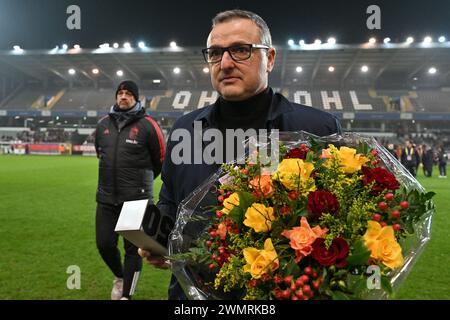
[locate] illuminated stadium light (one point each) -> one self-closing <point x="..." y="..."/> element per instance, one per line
<point x="298" y="69"/>
<point x="104" y="46"/>
<point x="77" y="47"/>
<point x="115" y="45"/>
<point x="301" y="42"/>
<point x="72" y="71"/>
<point x="331" y="40"/>
<point x="364" y="68"/>
<point x="205" y="70"/>
<point x="17" y="48"/>
<point x="331" y="68"/>
<point x="54" y="50"/>
<point x="141" y="44"/>
<point x="372" y="40"/>
<point x="427" y="40"/>
<point x="317" y="42"/>
<point x="432" y="70"/>
<point x="441" y="39"/>
<point x="95" y="71"/>
<point x="176" y="70"/>
<point x="65" y="46"/>
<point x="156" y="80"/>
<point x="415" y="78"/>
<point x="119" y="73"/>
<point x="409" y="40"/>
<point x="290" y="42"/>
<point x="387" y="40"/>
<point x="173" y="44"/>
<point x="127" y="45"/>
<point x="17" y="117"/>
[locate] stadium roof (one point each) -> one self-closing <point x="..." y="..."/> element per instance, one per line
<point x="396" y="65"/>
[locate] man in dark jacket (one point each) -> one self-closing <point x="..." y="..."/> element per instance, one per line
<point x="410" y="158"/>
<point x="240" y="56"/>
<point x="130" y="147"/>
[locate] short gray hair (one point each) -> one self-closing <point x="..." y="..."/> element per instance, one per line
<point x="225" y="16"/>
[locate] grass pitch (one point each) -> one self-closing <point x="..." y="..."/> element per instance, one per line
<point x="47" y="223"/>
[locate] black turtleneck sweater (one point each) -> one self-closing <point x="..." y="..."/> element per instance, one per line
<point x="247" y="114"/>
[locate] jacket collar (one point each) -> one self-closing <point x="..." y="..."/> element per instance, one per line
<point x="278" y="106"/>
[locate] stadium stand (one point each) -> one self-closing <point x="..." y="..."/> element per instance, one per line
<point x="396" y="98"/>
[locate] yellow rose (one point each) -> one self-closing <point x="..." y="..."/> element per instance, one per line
<point x="350" y="160"/>
<point x="230" y="202"/>
<point x="294" y="173"/>
<point x="260" y="262"/>
<point x="371" y="235"/>
<point x="259" y="217"/>
<point x="382" y="245"/>
<point x="390" y="253"/>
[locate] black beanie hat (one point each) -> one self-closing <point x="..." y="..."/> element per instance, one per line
<point x="130" y="86"/>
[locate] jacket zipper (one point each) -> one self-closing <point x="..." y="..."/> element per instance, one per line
<point x="115" y="167"/>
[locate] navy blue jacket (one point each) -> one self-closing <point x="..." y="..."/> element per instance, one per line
<point x="180" y="180"/>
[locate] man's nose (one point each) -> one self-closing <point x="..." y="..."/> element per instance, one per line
<point x="227" y="62"/>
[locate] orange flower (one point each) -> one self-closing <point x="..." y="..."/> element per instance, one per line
<point x="222" y="230"/>
<point x="263" y="185"/>
<point x="303" y="237"/>
<point x="326" y="154"/>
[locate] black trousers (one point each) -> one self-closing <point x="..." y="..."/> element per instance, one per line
<point x="107" y="239"/>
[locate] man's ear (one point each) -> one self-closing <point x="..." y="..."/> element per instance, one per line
<point x="271" y="53"/>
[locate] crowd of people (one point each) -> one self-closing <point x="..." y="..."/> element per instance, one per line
<point x="413" y="156"/>
<point x="50" y="135"/>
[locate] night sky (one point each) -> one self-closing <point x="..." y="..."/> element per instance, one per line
<point x="41" y="24"/>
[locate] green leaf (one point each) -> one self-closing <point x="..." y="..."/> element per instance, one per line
<point x="359" y="255"/>
<point x="292" y="268"/>
<point x="309" y="157"/>
<point x="386" y="285"/>
<point x="245" y="200"/>
<point x="357" y="284"/>
<point x="237" y="213"/>
<point x="362" y="148"/>
<point x="338" y="295"/>
<point x="429" y="195"/>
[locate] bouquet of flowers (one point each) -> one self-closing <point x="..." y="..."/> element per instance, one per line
<point x="337" y="218"/>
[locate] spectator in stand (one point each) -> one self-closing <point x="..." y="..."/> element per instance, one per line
<point x="410" y="158"/>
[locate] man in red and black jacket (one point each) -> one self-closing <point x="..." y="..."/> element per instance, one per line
<point x="130" y="147"/>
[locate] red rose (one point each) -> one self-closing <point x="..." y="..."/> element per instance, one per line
<point x="383" y="180"/>
<point x="296" y="153"/>
<point x="322" y="201"/>
<point x="334" y="255"/>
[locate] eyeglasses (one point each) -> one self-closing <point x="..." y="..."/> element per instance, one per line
<point x="237" y="52"/>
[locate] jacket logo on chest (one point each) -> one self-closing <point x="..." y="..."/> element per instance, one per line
<point x="106" y="132"/>
<point x="132" y="135"/>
